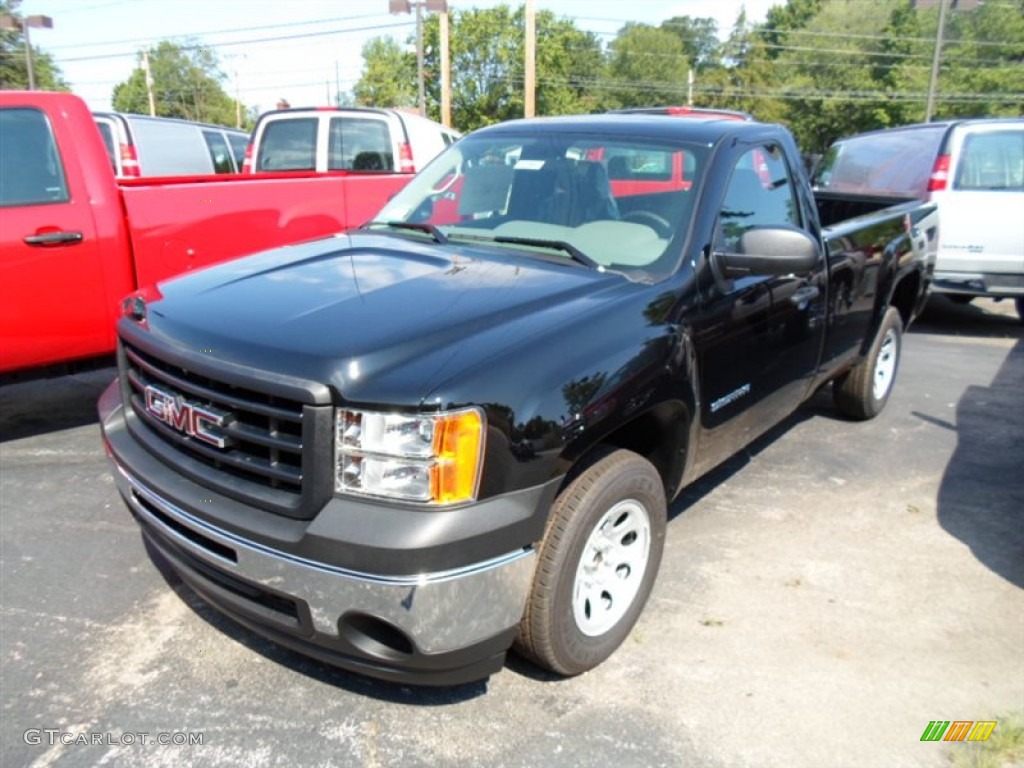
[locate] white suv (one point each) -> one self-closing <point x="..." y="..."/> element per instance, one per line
<point x="344" y="138"/>
<point x="973" y="170"/>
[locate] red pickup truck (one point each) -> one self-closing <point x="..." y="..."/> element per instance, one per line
<point x="74" y="240"/>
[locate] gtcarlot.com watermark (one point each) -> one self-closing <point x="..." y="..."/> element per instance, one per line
<point x="52" y="736"/>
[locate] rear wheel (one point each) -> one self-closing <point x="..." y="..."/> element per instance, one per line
<point x="863" y="392"/>
<point x="597" y="564"/>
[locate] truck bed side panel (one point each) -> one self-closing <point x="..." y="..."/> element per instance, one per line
<point x="179" y="224"/>
<point x="868" y="256"/>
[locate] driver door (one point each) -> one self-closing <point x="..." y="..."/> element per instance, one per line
<point x="758" y="337"/>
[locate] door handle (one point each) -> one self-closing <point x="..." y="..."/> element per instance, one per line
<point x="54" y="238"/>
<point x="803" y="296"/>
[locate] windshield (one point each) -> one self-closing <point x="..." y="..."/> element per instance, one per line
<point x="613" y="203"/>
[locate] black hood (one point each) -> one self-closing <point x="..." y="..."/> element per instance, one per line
<point x="350" y="309"/>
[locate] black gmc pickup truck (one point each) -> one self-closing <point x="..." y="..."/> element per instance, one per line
<point x="407" y="448"/>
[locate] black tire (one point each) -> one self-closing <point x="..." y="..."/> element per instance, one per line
<point x="862" y="393"/>
<point x="962" y="299"/>
<point x="573" y="621"/>
<point x="1020" y="308"/>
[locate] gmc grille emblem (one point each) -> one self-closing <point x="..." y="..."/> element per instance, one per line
<point x="178" y="413"/>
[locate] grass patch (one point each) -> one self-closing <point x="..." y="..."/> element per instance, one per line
<point x="1005" y="747"/>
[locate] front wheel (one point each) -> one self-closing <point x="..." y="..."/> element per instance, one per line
<point x="596" y="565"/>
<point x="863" y="392"/>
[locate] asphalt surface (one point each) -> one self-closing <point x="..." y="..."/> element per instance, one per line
<point x="823" y="596"/>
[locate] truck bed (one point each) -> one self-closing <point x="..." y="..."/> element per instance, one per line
<point x="183" y="223"/>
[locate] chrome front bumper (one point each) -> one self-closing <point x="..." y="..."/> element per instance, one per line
<point x="434" y="628"/>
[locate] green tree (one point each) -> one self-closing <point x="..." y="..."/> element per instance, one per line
<point x="647" y="66"/>
<point x="829" y="68"/>
<point x="794" y="14"/>
<point x="14" y="68"/>
<point x="485" y="53"/>
<point x="569" y="61"/>
<point x="839" y="70"/>
<point x="487" y="66"/>
<point x="747" y="80"/>
<point x="388" y="78"/>
<point x="186" y="84"/>
<point x="982" y="61"/>
<point x="699" y="37"/>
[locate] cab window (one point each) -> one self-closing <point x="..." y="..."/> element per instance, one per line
<point x="220" y="153"/>
<point x="760" y="194"/>
<point x="107" y="132"/>
<point x="288" y="145"/>
<point x="30" y="169"/>
<point x="238" y="144"/>
<point x="360" y="144"/>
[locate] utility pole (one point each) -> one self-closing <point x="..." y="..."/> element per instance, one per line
<point x="28" y="58"/>
<point x="233" y="58"/>
<point x="419" y="59"/>
<point x="530" y="65"/>
<point x="933" y="83"/>
<point x="689" y="87"/>
<point x="446" y="73"/>
<point x="8" y="21"/>
<point x="149" y="83"/>
<point x="405" y="6"/>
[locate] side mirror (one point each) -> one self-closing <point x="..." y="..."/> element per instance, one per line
<point x="769" y="251"/>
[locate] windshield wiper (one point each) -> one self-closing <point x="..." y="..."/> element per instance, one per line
<point x="430" y="229"/>
<point x="558" y="245"/>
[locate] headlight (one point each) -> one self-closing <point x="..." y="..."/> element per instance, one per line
<point x="433" y="458"/>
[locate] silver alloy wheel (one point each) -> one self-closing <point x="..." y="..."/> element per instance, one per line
<point x="885" y="365"/>
<point x="611" y="567"/>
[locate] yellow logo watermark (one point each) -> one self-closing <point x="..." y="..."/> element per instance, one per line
<point x="958" y="730"/>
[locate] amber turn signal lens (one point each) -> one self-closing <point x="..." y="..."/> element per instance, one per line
<point x="459" y="450"/>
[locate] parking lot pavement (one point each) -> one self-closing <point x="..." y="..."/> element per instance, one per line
<point x="823" y="596"/>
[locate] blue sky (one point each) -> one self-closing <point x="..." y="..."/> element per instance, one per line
<point x="273" y="49"/>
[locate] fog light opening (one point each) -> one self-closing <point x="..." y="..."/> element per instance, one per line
<point x="375" y="637"/>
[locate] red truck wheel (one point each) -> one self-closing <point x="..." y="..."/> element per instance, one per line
<point x="863" y="392"/>
<point x="597" y="564"/>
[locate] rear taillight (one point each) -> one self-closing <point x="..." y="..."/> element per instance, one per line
<point x="405" y="163"/>
<point x="247" y="162"/>
<point x="129" y="162"/>
<point x="940" y="174"/>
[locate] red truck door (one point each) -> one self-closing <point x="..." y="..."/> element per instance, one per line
<point x="52" y="292"/>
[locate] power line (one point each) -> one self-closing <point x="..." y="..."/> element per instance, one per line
<point x="229" y="44"/>
<point x="134" y="41"/>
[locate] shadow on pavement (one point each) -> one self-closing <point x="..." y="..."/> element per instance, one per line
<point x="981" y="498"/>
<point x="37" y="407"/>
<point x="820" y="404"/>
